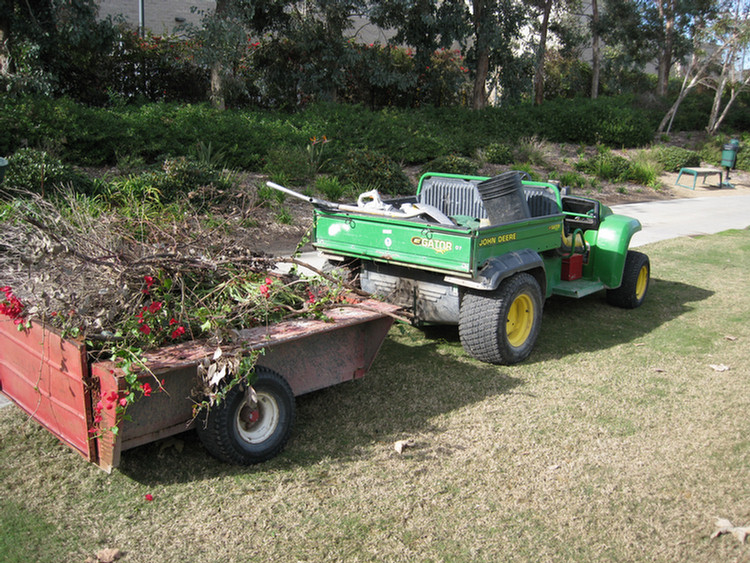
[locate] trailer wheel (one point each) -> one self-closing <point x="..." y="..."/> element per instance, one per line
<point x="635" y="281"/>
<point x="501" y="327"/>
<point x="236" y="433"/>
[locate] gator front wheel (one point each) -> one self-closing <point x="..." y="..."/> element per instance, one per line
<point x="636" y="276"/>
<point x="501" y="327"/>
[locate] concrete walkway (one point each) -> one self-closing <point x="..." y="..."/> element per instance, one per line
<point x="674" y="218"/>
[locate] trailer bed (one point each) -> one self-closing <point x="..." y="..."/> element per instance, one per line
<point x="50" y="378"/>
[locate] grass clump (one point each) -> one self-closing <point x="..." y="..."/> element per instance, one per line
<point x="331" y="187"/>
<point x="645" y="169"/>
<point x="533" y="150"/>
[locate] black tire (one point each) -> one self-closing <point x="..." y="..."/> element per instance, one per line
<point x="636" y="278"/>
<point x="234" y="433"/>
<point x="501" y="327"/>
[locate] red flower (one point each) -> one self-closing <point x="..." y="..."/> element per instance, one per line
<point x="112" y="396"/>
<point x="179" y="331"/>
<point x="264" y="291"/>
<point x="145" y="329"/>
<point x="172" y="321"/>
<point x="149" y="280"/>
<point x="123" y="402"/>
<point x="149" y="497"/>
<point x="155" y="307"/>
<point x="146" y="390"/>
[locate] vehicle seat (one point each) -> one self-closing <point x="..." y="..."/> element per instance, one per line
<point x="453" y="196"/>
<point x="541" y="202"/>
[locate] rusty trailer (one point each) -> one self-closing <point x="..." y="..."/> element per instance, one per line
<point x="53" y="381"/>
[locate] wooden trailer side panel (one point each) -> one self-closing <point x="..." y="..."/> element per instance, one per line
<point x="47" y="376"/>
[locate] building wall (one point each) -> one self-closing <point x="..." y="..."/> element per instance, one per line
<point x="161" y="17"/>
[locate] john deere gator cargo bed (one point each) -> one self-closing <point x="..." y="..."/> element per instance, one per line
<point x="459" y="248"/>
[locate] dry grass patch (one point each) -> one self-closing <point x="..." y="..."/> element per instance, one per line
<point x="616" y="441"/>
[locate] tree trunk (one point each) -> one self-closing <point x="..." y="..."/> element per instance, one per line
<point x="540" y="56"/>
<point x="689" y="83"/>
<point x="217" y="86"/>
<point x="596" y="60"/>
<point x="666" y="13"/>
<point x="736" y="91"/>
<point x="479" y="96"/>
<point x="4" y="50"/>
<point x="217" y="68"/>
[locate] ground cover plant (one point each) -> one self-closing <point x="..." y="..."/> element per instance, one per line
<point x="622" y="438"/>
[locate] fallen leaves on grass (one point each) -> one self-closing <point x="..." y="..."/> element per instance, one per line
<point x="400" y="445"/>
<point x="724" y="526"/>
<point x="108" y="555"/>
<point x="719" y="367"/>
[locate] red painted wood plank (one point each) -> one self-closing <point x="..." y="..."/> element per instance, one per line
<point x="46" y="376"/>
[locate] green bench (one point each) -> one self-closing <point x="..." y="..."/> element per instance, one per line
<point x="696" y="173"/>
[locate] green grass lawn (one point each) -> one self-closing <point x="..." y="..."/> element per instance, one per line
<point x="615" y="441"/>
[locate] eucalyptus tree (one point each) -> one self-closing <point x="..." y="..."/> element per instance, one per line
<point x="224" y="35"/>
<point x="652" y="30"/>
<point x="730" y="35"/>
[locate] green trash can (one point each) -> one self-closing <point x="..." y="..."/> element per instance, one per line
<point x="729" y="153"/>
<point x="3" y="166"/>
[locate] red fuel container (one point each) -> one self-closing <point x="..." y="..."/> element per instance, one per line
<point x="572" y="267"/>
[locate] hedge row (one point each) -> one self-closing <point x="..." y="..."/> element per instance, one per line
<point x="95" y="136"/>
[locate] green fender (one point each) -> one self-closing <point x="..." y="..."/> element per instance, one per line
<point x="609" y="247"/>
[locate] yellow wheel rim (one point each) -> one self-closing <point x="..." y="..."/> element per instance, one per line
<point x="520" y="320"/>
<point x="641" y="283"/>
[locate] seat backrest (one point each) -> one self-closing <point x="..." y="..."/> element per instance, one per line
<point x="453" y="196"/>
<point x="541" y="202"/>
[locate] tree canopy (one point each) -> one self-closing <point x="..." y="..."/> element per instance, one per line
<point x="280" y="53"/>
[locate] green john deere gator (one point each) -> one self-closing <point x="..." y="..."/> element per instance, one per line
<point x="484" y="253"/>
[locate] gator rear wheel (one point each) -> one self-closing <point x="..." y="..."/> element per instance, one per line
<point x="501" y="327"/>
<point x="242" y="433"/>
<point x="636" y="276"/>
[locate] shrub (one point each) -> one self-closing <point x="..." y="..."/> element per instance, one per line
<point x="370" y="168"/>
<point x="743" y="160"/>
<point x="606" y="165"/>
<point x="39" y="172"/>
<point x="711" y="154"/>
<point x="674" y="158"/>
<point x="498" y="153"/>
<point x="291" y="163"/>
<point x="451" y="164"/>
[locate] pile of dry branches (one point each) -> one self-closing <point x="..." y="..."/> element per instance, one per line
<point x="62" y="260"/>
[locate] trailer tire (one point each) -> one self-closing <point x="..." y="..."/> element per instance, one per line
<point x="234" y="433"/>
<point x="636" y="277"/>
<point x="501" y="327"/>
